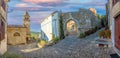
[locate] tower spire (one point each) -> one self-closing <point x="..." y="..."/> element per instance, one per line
<point x="26" y="16"/>
<point x="26" y="13"/>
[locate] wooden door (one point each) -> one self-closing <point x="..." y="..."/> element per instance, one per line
<point x="117" y="32"/>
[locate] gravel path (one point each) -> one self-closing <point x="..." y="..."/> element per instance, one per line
<point x="70" y="47"/>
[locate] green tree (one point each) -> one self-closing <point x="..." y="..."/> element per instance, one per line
<point x="99" y="16"/>
<point x="103" y="19"/>
<point x="61" y="28"/>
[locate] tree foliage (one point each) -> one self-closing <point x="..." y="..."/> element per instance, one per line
<point x="103" y="19"/>
<point x="61" y="28"/>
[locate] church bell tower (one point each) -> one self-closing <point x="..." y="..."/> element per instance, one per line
<point x="27" y="24"/>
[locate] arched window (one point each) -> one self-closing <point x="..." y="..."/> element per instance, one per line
<point x="16" y="34"/>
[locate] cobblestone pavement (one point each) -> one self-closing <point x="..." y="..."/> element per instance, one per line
<point x="70" y="47"/>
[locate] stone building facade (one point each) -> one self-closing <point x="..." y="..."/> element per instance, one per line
<point x="19" y="34"/>
<point x="73" y="23"/>
<point x="114" y="15"/>
<point x="3" y="26"/>
<point x="84" y="20"/>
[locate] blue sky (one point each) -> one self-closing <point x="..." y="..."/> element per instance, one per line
<point x="39" y="9"/>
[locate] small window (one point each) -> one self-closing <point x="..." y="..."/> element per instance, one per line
<point x="16" y="34"/>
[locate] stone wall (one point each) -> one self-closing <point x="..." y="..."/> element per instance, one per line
<point x="84" y="18"/>
<point x="13" y="40"/>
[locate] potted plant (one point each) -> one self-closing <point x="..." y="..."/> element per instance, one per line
<point x="108" y="33"/>
<point x="101" y="34"/>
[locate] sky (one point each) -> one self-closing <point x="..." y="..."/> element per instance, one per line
<point x="40" y="9"/>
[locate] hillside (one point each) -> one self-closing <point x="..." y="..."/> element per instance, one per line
<point x="34" y="34"/>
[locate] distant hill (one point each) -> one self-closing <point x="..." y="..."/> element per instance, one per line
<point x="34" y="34"/>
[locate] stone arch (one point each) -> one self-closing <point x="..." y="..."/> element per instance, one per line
<point x="65" y="25"/>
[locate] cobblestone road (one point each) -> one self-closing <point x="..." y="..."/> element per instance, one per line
<point x="70" y="47"/>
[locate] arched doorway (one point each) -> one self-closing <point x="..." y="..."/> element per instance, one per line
<point x="17" y="37"/>
<point x="71" y="27"/>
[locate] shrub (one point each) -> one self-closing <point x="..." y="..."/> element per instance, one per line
<point x="38" y="40"/>
<point x="91" y="31"/>
<point x="56" y="39"/>
<point x="96" y="28"/>
<point x="82" y="35"/>
<point x="10" y="55"/>
<point x="88" y="32"/>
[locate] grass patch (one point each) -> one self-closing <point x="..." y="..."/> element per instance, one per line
<point x="10" y="55"/>
<point x="34" y="35"/>
<point x="56" y="39"/>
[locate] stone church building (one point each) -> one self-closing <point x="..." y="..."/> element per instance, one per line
<point x="73" y="23"/>
<point x="19" y="34"/>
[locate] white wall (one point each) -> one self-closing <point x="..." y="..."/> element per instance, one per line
<point x="55" y="24"/>
<point x="50" y="26"/>
<point x="46" y="28"/>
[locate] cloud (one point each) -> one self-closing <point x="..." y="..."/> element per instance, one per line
<point x="21" y="5"/>
<point x="37" y="17"/>
<point x="96" y="3"/>
<point x="32" y="9"/>
<point x="43" y="1"/>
